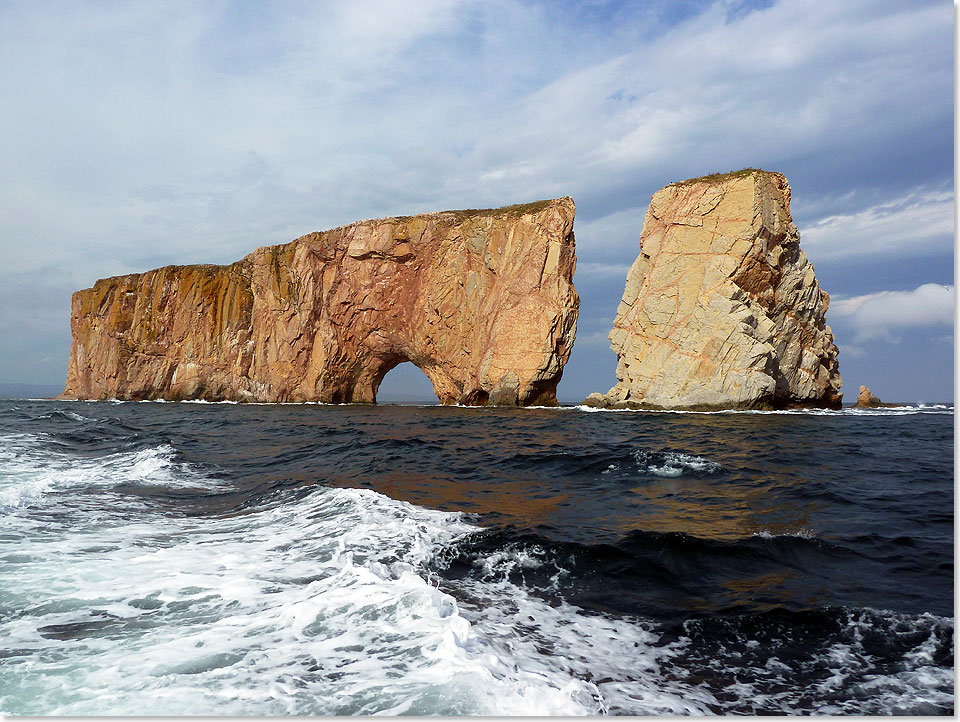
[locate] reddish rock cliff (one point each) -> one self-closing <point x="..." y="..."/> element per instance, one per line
<point x="482" y="301"/>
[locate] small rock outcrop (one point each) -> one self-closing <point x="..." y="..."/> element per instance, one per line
<point x="867" y="400"/>
<point x="482" y="301"/>
<point x="721" y="308"/>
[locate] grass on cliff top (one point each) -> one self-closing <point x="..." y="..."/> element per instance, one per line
<point x="517" y="210"/>
<point x="715" y="177"/>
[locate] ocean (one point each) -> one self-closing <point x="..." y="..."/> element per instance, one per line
<point x="191" y="558"/>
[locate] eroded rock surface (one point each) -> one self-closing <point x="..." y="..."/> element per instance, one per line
<point x="721" y="308"/>
<point x="866" y="399"/>
<point x="482" y="301"/>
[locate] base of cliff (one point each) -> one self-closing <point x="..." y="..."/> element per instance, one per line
<point x="600" y="401"/>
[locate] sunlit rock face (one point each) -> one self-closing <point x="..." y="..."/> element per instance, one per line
<point x="866" y="399"/>
<point x="482" y="301"/>
<point x="721" y="308"/>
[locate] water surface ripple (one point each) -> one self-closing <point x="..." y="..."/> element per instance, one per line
<point x="318" y="560"/>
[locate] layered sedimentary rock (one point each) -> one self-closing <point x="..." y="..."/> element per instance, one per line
<point x="482" y="301"/>
<point x="721" y="308"/>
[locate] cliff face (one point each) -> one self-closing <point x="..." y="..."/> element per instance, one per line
<point x="721" y="308"/>
<point x="482" y="301"/>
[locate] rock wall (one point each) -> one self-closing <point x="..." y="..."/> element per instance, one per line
<point x="482" y="301"/>
<point x="721" y="308"/>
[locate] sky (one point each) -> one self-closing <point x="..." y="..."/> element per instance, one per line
<point x="141" y="134"/>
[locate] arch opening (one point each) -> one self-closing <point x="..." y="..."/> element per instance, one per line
<point x="405" y="383"/>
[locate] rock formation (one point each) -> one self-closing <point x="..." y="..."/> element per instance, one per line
<point x="482" y="301"/>
<point x="721" y="308"/>
<point x="867" y="400"/>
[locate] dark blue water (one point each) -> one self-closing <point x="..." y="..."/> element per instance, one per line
<point x="307" y="559"/>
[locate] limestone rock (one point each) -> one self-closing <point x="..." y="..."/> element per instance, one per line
<point x="867" y="400"/>
<point x="482" y="301"/>
<point x="721" y="308"/>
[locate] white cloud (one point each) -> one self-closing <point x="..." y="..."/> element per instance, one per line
<point x="596" y="338"/>
<point x="618" y="230"/>
<point x="364" y="110"/>
<point x="916" y="224"/>
<point x="612" y="271"/>
<point x="880" y="315"/>
<point x="713" y="95"/>
<point x="143" y="134"/>
<point x="849" y="351"/>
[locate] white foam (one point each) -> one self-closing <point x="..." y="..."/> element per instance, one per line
<point x="319" y="607"/>
<point x="321" y="602"/>
<point x="594" y="409"/>
<point x="905" y="410"/>
<point x="204" y="401"/>
<point x="558" y="643"/>
<point x="802" y="533"/>
<point x="30" y="469"/>
<point x="673" y="464"/>
<point x="22" y="477"/>
<point x="940" y="409"/>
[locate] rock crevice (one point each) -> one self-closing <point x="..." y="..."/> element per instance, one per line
<point x="482" y="301"/>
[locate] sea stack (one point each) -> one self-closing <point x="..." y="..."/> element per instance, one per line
<point x="721" y="308"/>
<point x="481" y="300"/>
<point x="867" y="400"/>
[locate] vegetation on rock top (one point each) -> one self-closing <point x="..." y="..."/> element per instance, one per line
<point x="517" y="210"/>
<point x="715" y="177"/>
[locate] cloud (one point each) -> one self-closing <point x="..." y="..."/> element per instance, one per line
<point x="34" y="318"/>
<point x="145" y="134"/>
<point x="614" y="234"/>
<point x="611" y="271"/>
<point x="357" y="111"/>
<point x="879" y="315"/>
<point x="596" y="338"/>
<point x="711" y="94"/>
<point x="916" y="224"/>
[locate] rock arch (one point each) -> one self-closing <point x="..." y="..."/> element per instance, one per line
<point x="403" y="380"/>
<point x="482" y="301"/>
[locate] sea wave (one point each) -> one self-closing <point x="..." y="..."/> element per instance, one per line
<point x="671" y="464"/>
<point x="324" y="606"/>
<point x="331" y="601"/>
<point x="31" y="468"/>
<point x="667" y="464"/>
<point x="826" y="661"/>
<point x="137" y="580"/>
